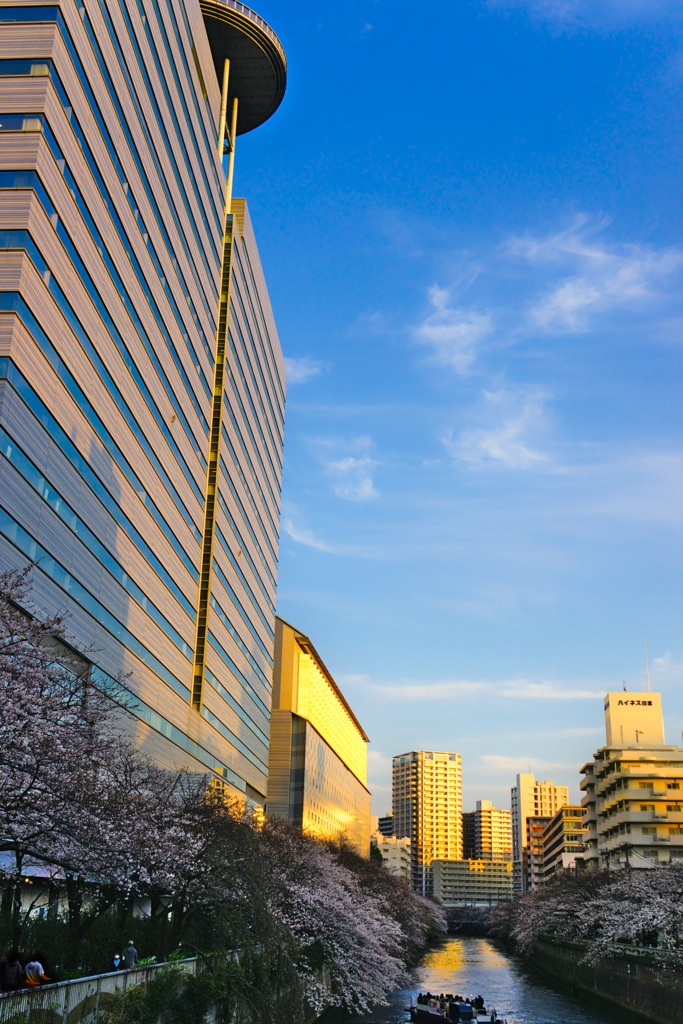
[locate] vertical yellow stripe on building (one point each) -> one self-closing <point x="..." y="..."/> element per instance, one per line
<point x="206" y="561"/>
<point x="216" y="423"/>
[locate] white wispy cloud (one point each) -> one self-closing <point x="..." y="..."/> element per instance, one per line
<point x="613" y="482"/>
<point x="521" y="763"/>
<point x="353" y="478"/>
<point x="353" y="678"/>
<point x="452" y="335"/>
<point x="569" y="281"/>
<point x="576" y="239"/>
<point x="352" y="473"/>
<point x="548" y="691"/>
<point x="590" y="278"/>
<point x="304" y="536"/>
<point x="506" y="690"/>
<point x="569" y="733"/>
<point x="432" y="691"/>
<point x="379" y="780"/>
<point x="666" y="669"/>
<point x="514" y="419"/>
<point x="378" y="762"/>
<point x="375" y="322"/>
<point x="301" y="369"/>
<point x="510" y="762"/>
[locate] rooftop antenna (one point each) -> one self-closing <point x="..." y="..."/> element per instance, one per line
<point x="647" y="664"/>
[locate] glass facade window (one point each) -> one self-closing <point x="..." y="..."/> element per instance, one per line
<point x="115" y="253"/>
<point x="318" y="758"/>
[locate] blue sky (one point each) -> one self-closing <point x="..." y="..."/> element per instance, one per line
<point x="469" y="215"/>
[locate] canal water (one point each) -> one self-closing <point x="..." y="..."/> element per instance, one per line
<point x="472" y="966"/>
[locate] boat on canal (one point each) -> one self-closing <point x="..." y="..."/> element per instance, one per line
<point x="454" y="1009"/>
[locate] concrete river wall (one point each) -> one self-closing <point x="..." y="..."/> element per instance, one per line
<point x="628" y="981"/>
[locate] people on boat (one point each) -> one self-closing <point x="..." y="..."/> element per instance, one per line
<point x="454" y="1008"/>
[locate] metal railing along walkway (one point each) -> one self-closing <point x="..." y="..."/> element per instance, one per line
<point x="80" y="1000"/>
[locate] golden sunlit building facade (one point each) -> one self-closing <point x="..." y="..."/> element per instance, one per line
<point x="487" y="832"/>
<point x="427" y="808"/>
<point x="318" y="755"/>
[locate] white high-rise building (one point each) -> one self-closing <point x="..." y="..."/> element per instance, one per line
<point x="395" y="854"/>
<point x="633" y="811"/>
<point x="530" y="799"/>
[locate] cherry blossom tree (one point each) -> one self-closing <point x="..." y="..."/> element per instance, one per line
<point x="337" y="924"/>
<point x="555" y="908"/>
<point x="116" y="831"/>
<point x="77" y="797"/>
<point x="603" y="910"/>
<point x="422" y="920"/>
<point x="643" y="906"/>
<point x="50" y="734"/>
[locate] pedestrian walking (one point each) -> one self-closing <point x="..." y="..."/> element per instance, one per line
<point x="11" y="973"/>
<point x="117" y="963"/>
<point x="34" y="973"/>
<point x="130" y="955"/>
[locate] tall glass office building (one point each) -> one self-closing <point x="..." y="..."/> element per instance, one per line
<point x="141" y="377"/>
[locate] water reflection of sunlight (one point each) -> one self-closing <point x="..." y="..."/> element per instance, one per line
<point x="490" y="956"/>
<point x="446" y="968"/>
<point x="446" y="959"/>
<point x="470" y="966"/>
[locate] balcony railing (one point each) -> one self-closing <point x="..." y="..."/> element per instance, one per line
<point x="258" y="20"/>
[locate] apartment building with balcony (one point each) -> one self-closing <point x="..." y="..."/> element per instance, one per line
<point x="385" y="824"/>
<point x="532" y="802"/>
<point x="562" y="842"/>
<point x="427" y="808"/>
<point x="472" y="882"/>
<point x="633" y="788"/>
<point x="487" y="832"/>
<point x="395" y="854"/>
<point x="532" y="853"/>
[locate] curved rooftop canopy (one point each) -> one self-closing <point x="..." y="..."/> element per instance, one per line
<point x="258" y="66"/>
